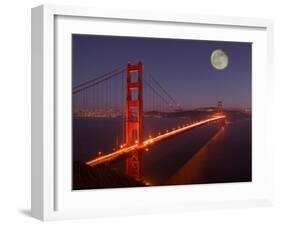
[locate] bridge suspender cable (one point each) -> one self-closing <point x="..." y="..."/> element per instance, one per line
<point x="96" y="82"/>
<point x="164" y="91"/>
<point x="154" y="90"/>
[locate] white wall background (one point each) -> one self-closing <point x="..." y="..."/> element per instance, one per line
<point x="15" y="112"/>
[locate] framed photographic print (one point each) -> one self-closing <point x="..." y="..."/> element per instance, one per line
<point x="137" y="112"/>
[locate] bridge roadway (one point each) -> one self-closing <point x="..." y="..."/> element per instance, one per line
<point x="137" y="147"/>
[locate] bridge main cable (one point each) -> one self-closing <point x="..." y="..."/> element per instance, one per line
<point x="97" y="80"/>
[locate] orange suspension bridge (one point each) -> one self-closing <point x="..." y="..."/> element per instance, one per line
<point x="126" y="93"/>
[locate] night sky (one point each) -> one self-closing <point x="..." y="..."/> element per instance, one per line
<point x="183" y="67"/>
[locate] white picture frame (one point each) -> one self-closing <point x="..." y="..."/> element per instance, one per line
<point x="46" y="94"/>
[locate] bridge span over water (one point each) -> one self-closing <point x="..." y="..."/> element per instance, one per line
<point x="149" y="142"/>
<point x="132" y="102"/>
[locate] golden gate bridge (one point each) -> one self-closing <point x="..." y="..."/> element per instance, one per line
<point x="126" y="93"/>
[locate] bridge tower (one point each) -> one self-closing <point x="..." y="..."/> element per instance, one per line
<point x="221" y="122"/>
<point x="134" y="118"/>
<point x="219" y="108"/>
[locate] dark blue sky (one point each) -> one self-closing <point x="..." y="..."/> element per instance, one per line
<point x="181" y="66"/>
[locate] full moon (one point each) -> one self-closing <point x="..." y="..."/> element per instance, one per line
<point x="219" y="59"/>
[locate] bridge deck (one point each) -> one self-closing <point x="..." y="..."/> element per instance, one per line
<point x="149" y="142"/>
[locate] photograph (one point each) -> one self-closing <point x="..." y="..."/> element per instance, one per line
<point x="151" y="111"/>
